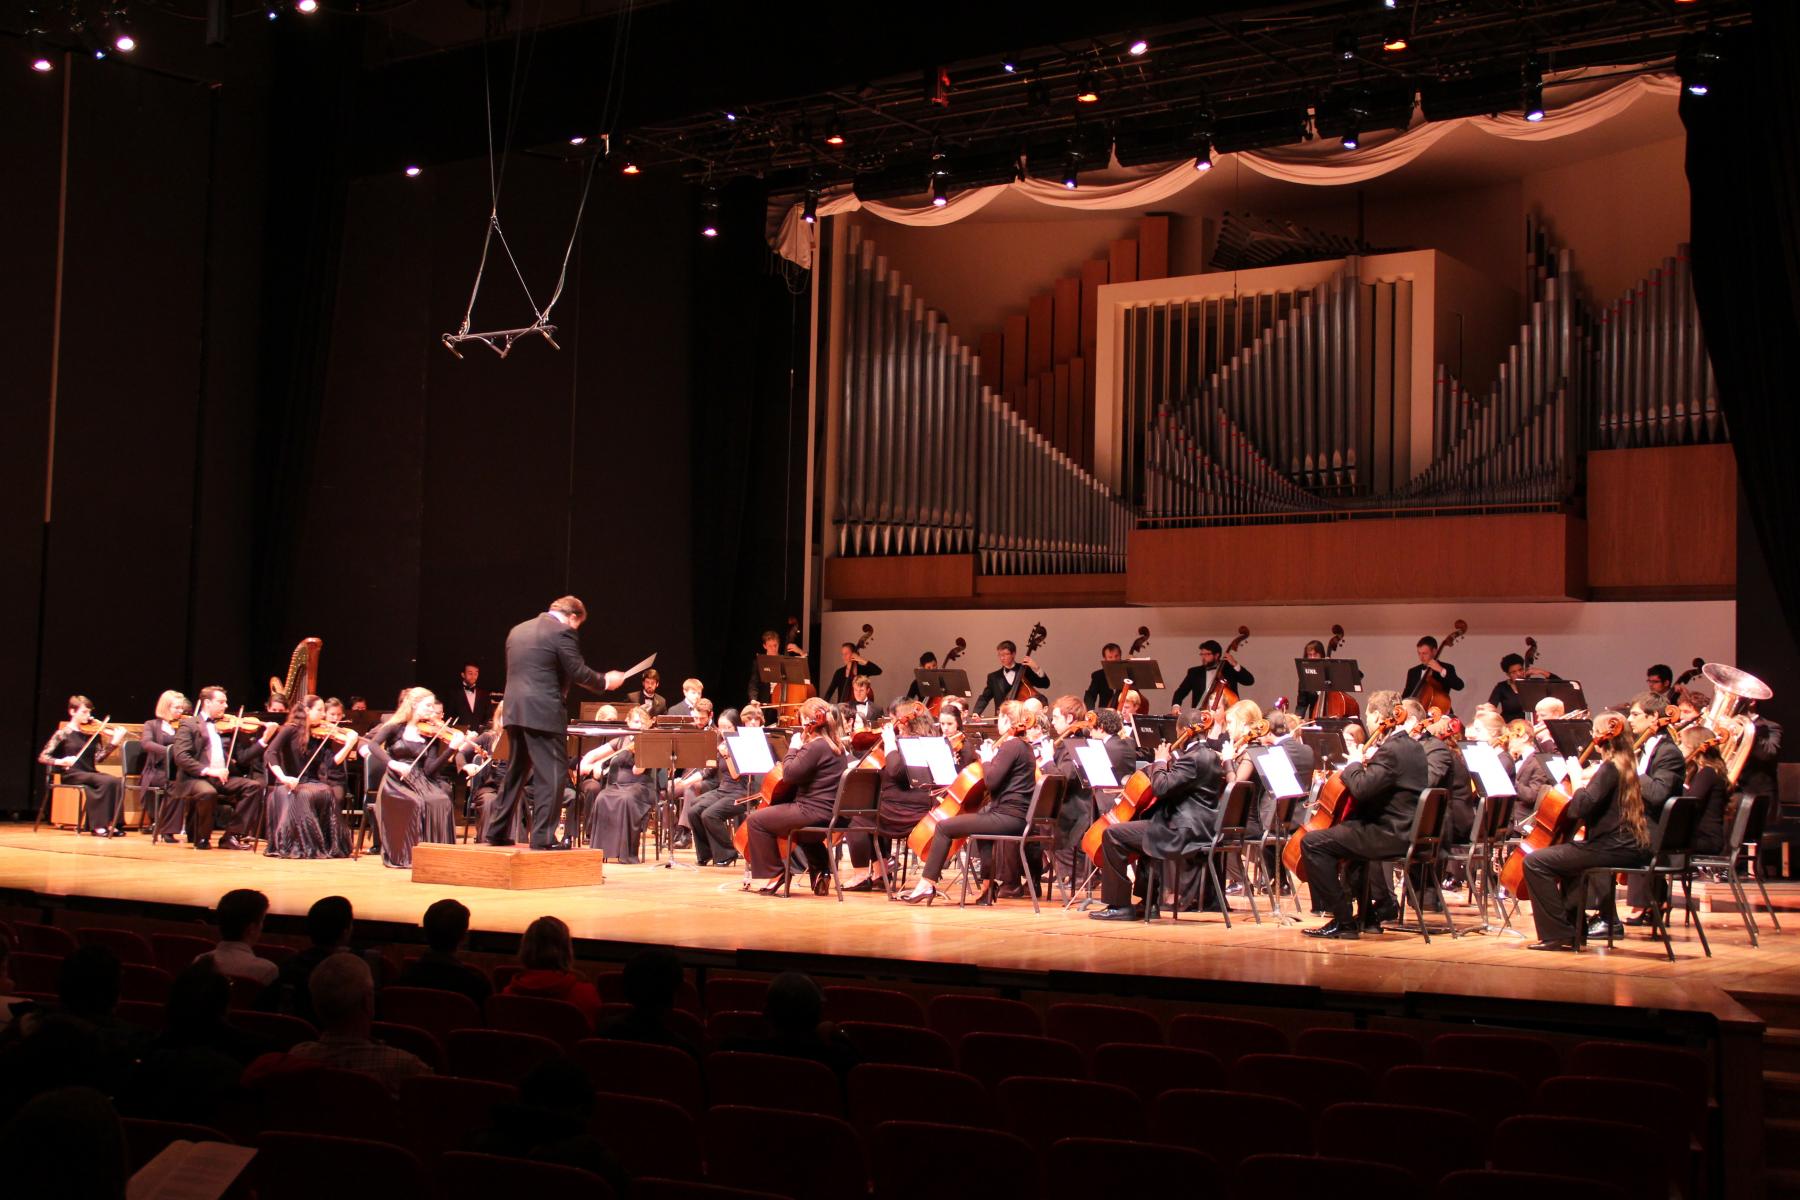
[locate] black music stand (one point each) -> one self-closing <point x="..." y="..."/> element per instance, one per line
<point x="1327" y="744"/>
<point x="774" y="670"/>
<point x="953" y="682"/>
<point x="1571" y="735"/>
<point x="1143" y="674"/>
<point x="1321" y="675"/>
<point x="682" y="748"/>
<point x="1567" y="690"/>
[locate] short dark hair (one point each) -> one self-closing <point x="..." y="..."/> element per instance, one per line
<point x="1660" y="671"/>
<point x="1511" y="661"/>
<point x="1209" y="644"/>
<point x="471" y="663"/>
<point x="239" y="909"/>
<point x="794" y="1004"/>
<point x="570" y="606"/>
<point x="76" y="702"/>
<point x="1109" y="721"/>
<point x="1315" y="644"/>
<point x="328" y="921"/>
<point x="209" y="691"/>
<point x="1111" y="646"/>
<point x="1427" y="640"/>
<point x="651" y="980"/>
<point x="927" y="657"/>
<point x="1009" y="646"/>
<point x="1652" y="704"/>
<point x="445" y="924"/>
<point x="847" y="646"/>
<point x="199" y="996"/>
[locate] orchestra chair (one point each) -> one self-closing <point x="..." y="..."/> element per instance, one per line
<point x="1040" y="829"/>
<point x="1374" y="1050"/>
<point x="131" y="766"/>
<point x="1230" y="1126"/>
<point x="773" y="1081"/>
<point x="305" y="1166"/>
<point x="1425" y="850"/>
<point x="1080" y="1168"/>
<point x="647" y="1137"/>
<point x="145" y="1139"/>
<point x="175" y="952"/>
<point x="1232" y="838"/>
<point x="439" y="1113"/>
<point x="1489" y="839"/>
<point x="50" y="939"/>
<point x="1269" y="847"/>
<point x="727" y="1026"/>
<point x="1485" y="1097"/>
<point x="643" y="1069"/>
<point x="845" y="1002"/>
<point x="1617" y="1152"/>
<point x="880" y="1092"/>
<point x="434" y="1010"/>
<point x="956" y="1016"/>
<point x="281" y="1029"/>
<point x="760" y="1149"/>
<point x="1091" y="1026"/>
<point x="469" y="1176"/>
<point x="683" y="1189"/>
<point x="902" y="1044"/>
<point x="373" y="779"/>
<point x="420" y="1043"/>
<point x="1045" y="1110"/>
<point x="1227" y="1038"/>
<point x="1745" y="833"/>
<point x="127" y="945"/>
<point x="1511" y="1185"/>
<point x="917" y="1158"/>
<point x="1313" y="1083"/>
<point x="1671" y="860"/>
<point x="735" y="993"/>
<point x="498" y="1055"/>
<point x="1530" y="1060"/>
<point x="557" y="1020"/>
<point x="1659" y="1107"/>
<point x="321" y="1100"/>
<point x="854" y="807"/>
<point x="64" y="805"/>
<point x="1151" y="1070"/>
<point x="1429" y="1143"/>
<point x="993" y="1057"/>
<point x="1309" y="1175"/>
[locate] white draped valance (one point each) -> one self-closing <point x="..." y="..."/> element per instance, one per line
<point x="1320" y="164"/>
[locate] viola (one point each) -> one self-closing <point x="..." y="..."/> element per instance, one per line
<point x="1221" y="695"/>
<point x="332" y="732"/>
<point x="1333" y="805"/>
<point x="235" y="723"/>
<point x="1431" y="690"/>
<point x="1136" y="798"/>
<point x="1549" y="820"/>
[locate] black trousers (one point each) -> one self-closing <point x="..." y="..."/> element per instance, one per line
<point x="710" y="818"/>
<point x="769" y="824"/>
<point x="1554" y="880"/>
<point x="202" y="799"/>
<point x="961" y="826"/>
<point x="539" y="758"/>
<point x="104" y="795"/>
<point x="1346" y="849"/>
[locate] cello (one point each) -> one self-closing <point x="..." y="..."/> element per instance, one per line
<point x="1335" y="704"/>
<point x="1549" y="823"/>
<point x="1221" y="695"/>
<point x="1431" y="691"/>
<point x="966" y="793"/>
<point x="1136" y="798"/>
<point x="1334" y="802"/>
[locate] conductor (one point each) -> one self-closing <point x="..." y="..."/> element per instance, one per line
<point x="543" y="657"/>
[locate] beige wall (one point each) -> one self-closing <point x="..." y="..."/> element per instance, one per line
<point x="1622" y="213"/>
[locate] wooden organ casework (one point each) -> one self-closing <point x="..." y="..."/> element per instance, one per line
<point x="1380" y="387"/>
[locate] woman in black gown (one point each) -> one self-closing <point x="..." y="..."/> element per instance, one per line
<point x="157" y="736"/>
<point x="618" y="794"/>
<point x="1010" y="774"/>
<point x="78" y="756"/>
<point x="805" y="796"/>
<point x="302" y="807"/>
<point x="414" y="802"/>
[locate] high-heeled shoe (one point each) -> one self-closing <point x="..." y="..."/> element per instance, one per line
<point x="990" y="892"/>
<point x="821" y="882"/>
<point x="772" y="888"/>
<point x="916" y="897"/>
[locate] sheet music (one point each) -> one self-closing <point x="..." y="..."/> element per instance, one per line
<point x="1277" y="771"/>
<point x="643" y="666"/>
<point x="1095" y="764"/>
<point x="889" y="740"/>
<point x="933" y="753"/>
<point x="1484" y="764"/>
<point x="1558" y="767"/>
<point x="750" y="751"/>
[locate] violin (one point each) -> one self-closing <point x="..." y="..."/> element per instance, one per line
<point x="1431" y="691"/>
<point x="238" y="723"/>
<point x="1334" y="801"/>
<point x="1221" y="695"/>
<point x="438" y="729"/>
<point x="93" y="728"/>
<point x="1136" y="797"/>
<point x="1033" y="642"/>
<point x="330" y="731"/>
<point x="1335" y="704"/>
<point x="1549" y="823"/>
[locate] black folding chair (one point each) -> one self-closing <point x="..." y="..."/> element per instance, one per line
<point x="1425" y="850"/>
<point x="1232" y="838"/>
<point x="1040" y="827"/>
<point x="1746" y="831"/>
<point x="1671" y="859"/>
<point x="857" y="800"/>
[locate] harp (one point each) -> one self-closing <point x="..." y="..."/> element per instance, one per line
<point x="302" y="673"/>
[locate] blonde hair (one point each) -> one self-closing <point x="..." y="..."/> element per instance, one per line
<point x="1244" y="713"/>
<point x="692" y="683"/>
<point x="1015" y="713"/>
<point x="409" y="704"/>
<point x="818" y="717"/>
<point x="546" y="946"/>
<point x="165" y="704"/>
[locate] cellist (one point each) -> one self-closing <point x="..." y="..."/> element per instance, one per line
<point x="1011" y="774"/>
<point x="1078" y="809"/>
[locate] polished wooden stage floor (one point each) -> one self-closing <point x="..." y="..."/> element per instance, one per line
<point x="704" y="913"/>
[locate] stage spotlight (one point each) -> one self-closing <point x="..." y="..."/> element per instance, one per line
<point x="1203" y="160"/>
<point x="1138" y="48"/>
<point x="1394" y="40"/>
<point x="1010" y="64"/>
<point x="1699" y="60"/>
<point x="1534" y="102"/>
<point x="1352" y="139"/>
<point x="578" y="139"/>
<point x="836" y="136"/>
<point x="730" y="116"/>
<point x="1390" y="4"/>
<point x="116" y="29"/>
<point x="413" y="172"/>
<point x="40" y="58"/>
<point x="307" y="7"/>
<point x="1069" y="177"/>
<point x="709" y="214"/>
<point x="630" y="168"/>
<point x="1344" y="45"/>
<point x="1084" y="91"/>
<point x="273" y="13"/>
<point x="940" y="191"/>
<point x="809" y="208"/>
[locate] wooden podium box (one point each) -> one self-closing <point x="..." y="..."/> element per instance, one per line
<point x="510" y="868"/>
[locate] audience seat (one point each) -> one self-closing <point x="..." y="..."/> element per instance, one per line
<point x="957" y="1016"/>
<point x="499" y="1055"/>
<point x="846" y="1003"/>
<point x="1091" y="1026"/>
<point x="1230" y="1126"/>
<point x="1229" y="1038"/>
<point x="1046" y="1110"/>
<point x="307" y="1166"/>
<point x="48" y="939"/>
<point x="1530" y="1060"/>
<point x="1149" y="1071"/>
<point x="803" y="1155"/>
<point x="283" y="1030"/>
<point x="643" y="1069"/>
<point x="1485" y="1097"/>
<point x="1313" y="1083"/>
<point x="1374" y="1050"/>
<point x="773" y="1081"/>
<point x="432" y="1009"/>
<point x="439" y="1113"/>
<point x="420" y="1043"/>
<point x="647" y="1137"/>
<point x="557" y="1020"/>
<point x="175" y="952"/>
<point x="1309" y="1175"/>
<point x="1082" y="1168"/>
<point x="149" y="984"/>
<point x="991" y="1057"/>
<point x="728" y="1025"/>
<point x="145" y="1139"/>
<point x="1429" y="1143"/>
<point x="127" y="945"/>
<point x="914" y="1159"/>
<point x="687" y="1189"/>
<point x="1625" y="1155"/>
<point x="1522" y="1185"/>
<point x="732" y="993"/>
<point x="486" y="1176"/>
<point x="876" y="1042"/>
<point x="323" y="1100"/>
<point x="881" y="1092"/>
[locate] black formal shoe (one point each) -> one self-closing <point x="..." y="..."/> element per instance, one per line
<point x="1337" y="929"/>
<point x="684" y="840"/>
<point x="559" y="846"/>
<point x="990" y="891"/>
<point x="1375" y="920"/>
<point x="772" y="888"/>
<point x="1015" y="891"/>
<point x="1119" y="912"/>
<point x="101" y="832"/>
<point x="499" y="842"/>
<point x="203" y="844"/>
<point x="821" y="883"/>
<point x="230" y="842"/>
<point x="868" y="884"/>
<point x="1597" y="930"/>
<point x="920" y="897"/>
<point x="1640" y="921"/>
<point x="1553" y="944"/>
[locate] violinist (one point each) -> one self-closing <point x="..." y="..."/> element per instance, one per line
<point x="617" y="793"/>
<point x="413" y="803"/>
<point x="1428" y="663"/>
<point x="1183" y="822"/>
<point x="203" y="773"/>
<point x="1660" y="767"/>
<point x="1384" y="783"/>
<point x="157" y="737"/>
<point x="708" y="814"/>
<point x="950" y="724"/>
<point x="809" y="781"/>
<point x="1505" y="695"/>
<point x="77" y="748"/>
<point x="1304" y="702"/>
<point x="484" y="772"/>
<point x="1196" y="683"/>
<point x="902" y="806"/>
<point x="1014" y="673"/>
<point x="1284" y="737"/>
<point x="844" y="678"/>
<point x="1609" y="801"/>
<point x="1011" y="775"/>
<point x="1099" y="692"/>
<point x="693" y="783"/>
<point x="303" y="810"/>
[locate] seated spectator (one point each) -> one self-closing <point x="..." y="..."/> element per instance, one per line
<point x="343" y="996"/>
<point x="66" y="1142"/>
<point x="549" y="1123"/>
<point x="190" y="1071"/>
<point x="795" y="1010"/>
<point x="328" y="924"/>
<point x="446" y="928"/>
<point x="548" y="956"/>
<point x="652" y="980"/>
<point x="240" y="919"/>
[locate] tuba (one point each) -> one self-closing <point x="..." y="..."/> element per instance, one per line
<point x="1733" y="691"/>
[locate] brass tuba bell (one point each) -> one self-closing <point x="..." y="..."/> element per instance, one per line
<point x="1733" y="691"/>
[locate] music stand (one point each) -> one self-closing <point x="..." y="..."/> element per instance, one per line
<point x="775" y="670"/>
<point x="1326" y="744"/>
<point x="1571" y="735"/>
<point x="1145" y="675"/>
<point x="1570" y="693"/>
<point x="932" y="684"/>
<point x="1164" y="729"/>
<point x="1321" y="675"/>
<point x="682" y="748"/>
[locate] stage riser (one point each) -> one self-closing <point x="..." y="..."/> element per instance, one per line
<point x="509" y="868"/>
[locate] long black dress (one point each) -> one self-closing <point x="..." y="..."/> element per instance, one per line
<point x="105" y="792"/>
<point x="303" y="819"/>
<point x="617" y="809"/>
<point x="414" y="806"/>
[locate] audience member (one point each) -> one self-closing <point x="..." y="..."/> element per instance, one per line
<point x="795" y="1011"/>
<point x="66" y="1143"/>
<point x="240" y="919"/>
<point x="549" y="1123"/>
<point x="446" y="928"/>
<point x="328" y="924"/>
<point x="548" y="956"/>
<point x="652" y="980"/>
<point x="190" y="1072"/>
<point x="343" y="997"/>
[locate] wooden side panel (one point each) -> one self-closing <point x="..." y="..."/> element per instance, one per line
<point x="1042" y="318"/>
<point x="1093" y="274"/>
<point x="1060" y="417"/>
<point x="1153" y="247"/>
<point x="1013" y="352"/>
<point x="912" y="577"/>
<point x="1664" y="523"/>
<point x="1122" y="261"/>
<point x="992" y="359"/>
<point x="1066" y="340"/>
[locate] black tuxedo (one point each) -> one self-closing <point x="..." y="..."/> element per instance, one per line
<point x="464" y="714"/>
<point x="1761" y="774"/>
<point x="1195" y="684"/>
<point x="1099" y="693"/>
<point x="1385" y="795"/>
<point x="199" y="793"/>
<point x="839" y="687"/>
<point x="1451" y="681"/>
<point x="543" y="659"/>
<point x="999" y="691"/>
<point x="1663" y="775"/>
<point x="1531" y="779"/>
<point x="658" y="705"/>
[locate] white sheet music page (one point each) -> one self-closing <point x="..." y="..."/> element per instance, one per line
<point x="1277" y="771"/>
<point x="1096" y="765"/>
<point x="750" y="751"/>
<point x="933" y="752"/>
<point x="1484" y="764"/>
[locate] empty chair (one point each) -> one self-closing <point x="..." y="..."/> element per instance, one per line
<point x="1313" y="1083"/>
<point x="773" y="1081"/>
<point x="611" y="986"/>
<point x="484" y="1176"/>
<point x="1485" y="1097"/>
<point x="890" y="1092"/>
<point x="1512" y="1185"/>
<point x="144" y="1139"/>
<point x="1428" y="1142"/>
<point x="957" y="1016"/>
<point x="323" y="1100"/>
<point x="438" y="1113"/>
<point x="557" y="1020"/>
<point x="647" y="1137"/>
<point x="1149" y="1071"/>
<point x="991" y="1057"/>
<point x="128" y="946"/>
<point x="1091" y="1026"/>
<point x="34" y="972"/>
<point x="950" y="1162"/>
<point x="500" y="1055"/>
<point x="305" y="1166"/>
<point x="1306" y="1175"/>
<point x="176" y="951"/>
<point x="138" y="981"/>
<point x="1230" y="1126"/>
<point x="643" y="1069"/>
<point x="1530" y="1060"/>
<point x="1230" y="1038"/>
<point x="49" y="939"/>
<point x="1624" y="1155"/>
<point x="680" y="1022"/>
<point x="876" y="1042"/>
<point x="734" y="994"/>
<point x="420" y="1043"/>
<point x="1081" y="1168"/>
<point x="804" y="1155"/>
<point x="1374" y="1050"/>
<point x="283" y="1030"/>
<point x="729" y="1025"/>
<point x="432" y="1009"/>
<point x="1043" y="1111"/>
<point x="846" y="1003"/>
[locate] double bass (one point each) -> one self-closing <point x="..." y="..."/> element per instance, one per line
<point x="1431" y="690"/>
<point x="1549" y="820"/>
<point x="789" y="696"/>
<point x="1221" y="695"/>
<point x="1142" y="640"/>
<point x="1136" y="798"/>
<point x="937" y="702"/>
<point x="1335" y="704"/>
<point x="1033" y="642"/>
<point x="1334" y="802"/>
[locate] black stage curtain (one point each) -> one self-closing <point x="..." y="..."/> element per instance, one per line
<point x="1743" y="170"/>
